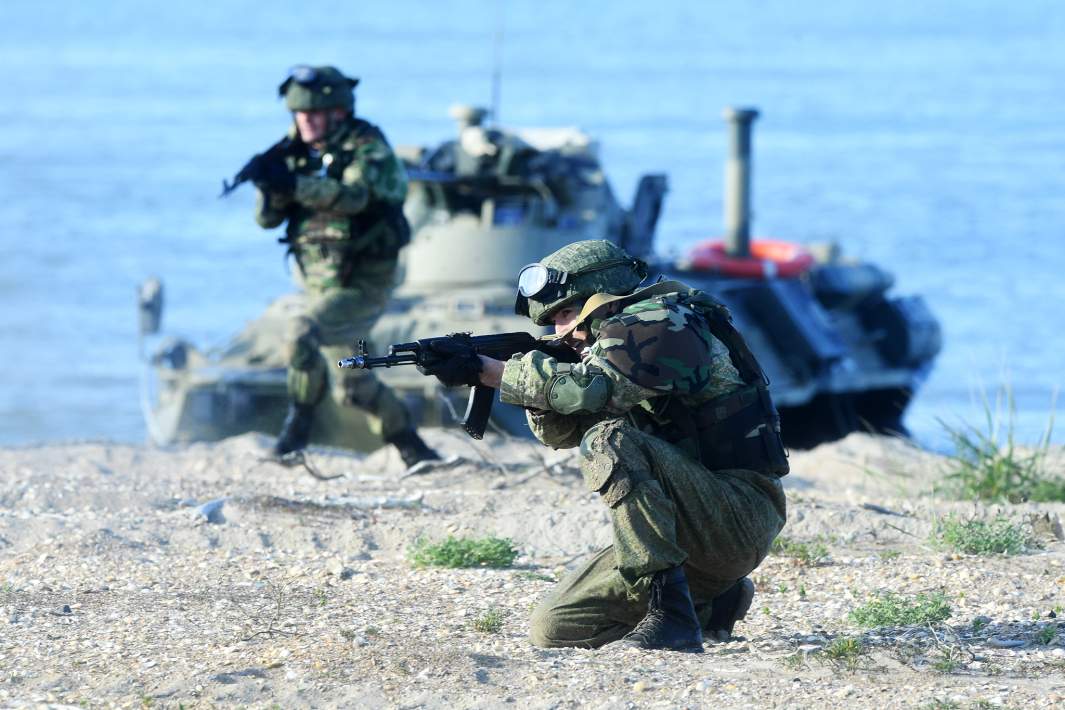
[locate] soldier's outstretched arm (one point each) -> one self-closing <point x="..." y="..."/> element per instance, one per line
<point x="538" y="381"/>
<point x="563" y="400"/>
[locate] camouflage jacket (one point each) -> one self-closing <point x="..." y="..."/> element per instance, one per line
<point x="641" y="359"/>
<point x="347" y="205"/>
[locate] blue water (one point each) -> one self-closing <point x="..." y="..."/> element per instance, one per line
<point x="926" y="137"/>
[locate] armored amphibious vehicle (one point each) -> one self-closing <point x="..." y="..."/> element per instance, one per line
<point x="481" y="206"/>
<point x="842" y="353"/>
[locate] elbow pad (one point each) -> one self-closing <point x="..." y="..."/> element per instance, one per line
<point x="578" y="391"/>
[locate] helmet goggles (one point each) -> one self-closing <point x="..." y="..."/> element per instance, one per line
<point x="545" y="284"/>
<point x="311" y="78"/>
<point x="303" y="74"/>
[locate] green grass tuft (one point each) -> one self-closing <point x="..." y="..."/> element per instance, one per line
<point x="982" y="537"/>
<point x="987" y="464"/>
<point x="489" y="622"/>
<point x="948" y="659"/>
<point x="808" y="554"/>
<point x="845" y="651"/>
<point x="1047" y="635"/>
<point x="890" y="609"/>
<point x="463" y="552"/>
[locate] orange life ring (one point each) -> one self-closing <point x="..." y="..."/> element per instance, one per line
<point x="769" y="258"/>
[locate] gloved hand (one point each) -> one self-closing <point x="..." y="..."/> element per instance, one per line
<point x="457" y="364"/>
<point x="270" y="173"/>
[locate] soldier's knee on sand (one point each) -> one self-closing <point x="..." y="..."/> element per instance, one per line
<point x="542" y="628"/>
<point x="612" y="461"/>
<point x="302" y="344"/>
<point x="548" y="629"/>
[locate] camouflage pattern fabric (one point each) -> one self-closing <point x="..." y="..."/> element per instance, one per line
<point x="575" y="257"/>
<point x="329" y="89"/>
<point x="346" y="250"/>
<point x="346" y="207"/>
<point x="651" y="350"/>
<point x="665" y="507"/>
<point x="323" y="334"/>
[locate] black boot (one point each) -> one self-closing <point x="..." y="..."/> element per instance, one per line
<point x="670" y="623"/>
<point x="296" y="431"/>
<point x="729" y="607"/>
<point x="411" y="448"/>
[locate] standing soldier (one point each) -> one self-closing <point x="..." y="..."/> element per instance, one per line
<point x="339" y="188"/>
<point x="677" y="434"/>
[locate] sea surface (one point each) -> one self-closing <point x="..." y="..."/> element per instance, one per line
<point x="927" y="137"/>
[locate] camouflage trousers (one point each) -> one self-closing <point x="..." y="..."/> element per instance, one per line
<point x="333" y="320"/>
<point x="666" y="510"/>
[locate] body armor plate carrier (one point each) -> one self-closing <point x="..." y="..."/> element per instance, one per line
<point x="740" y="429"/>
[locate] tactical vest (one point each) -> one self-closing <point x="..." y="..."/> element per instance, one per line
<point x="740" y="429"/>
<point x="376" y="233"/>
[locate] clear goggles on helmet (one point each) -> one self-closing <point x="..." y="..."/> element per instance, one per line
<point x="545" y="284"/>
<point x="303" y="74"/>
<point x="308" y="76"/>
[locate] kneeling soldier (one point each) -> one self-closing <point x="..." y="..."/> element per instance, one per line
<point x="677" y="434"/>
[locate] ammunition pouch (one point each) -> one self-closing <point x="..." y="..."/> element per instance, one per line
<point x="742" y="429"/>
<point x="738" y="430"/>
<point x="392" y="215"/>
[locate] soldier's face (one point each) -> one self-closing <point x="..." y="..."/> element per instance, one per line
<point x="564" y="320"/>
<point x="312" y="125"/>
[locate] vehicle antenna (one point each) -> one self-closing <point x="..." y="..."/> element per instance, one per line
<point x="497" y="62"/>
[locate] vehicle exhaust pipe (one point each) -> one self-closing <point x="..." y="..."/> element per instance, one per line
<point x="738" y="182"/>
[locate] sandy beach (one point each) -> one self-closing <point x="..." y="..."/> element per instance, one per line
<point x="203" y="576"/>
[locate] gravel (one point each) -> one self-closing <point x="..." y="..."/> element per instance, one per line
<point x="202" y="577"/>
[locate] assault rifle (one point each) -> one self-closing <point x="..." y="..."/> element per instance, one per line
<point x="499" y="346"/>
<point x="251" y="169"/>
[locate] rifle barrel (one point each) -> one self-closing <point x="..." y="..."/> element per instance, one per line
<point x="362" y="362"/>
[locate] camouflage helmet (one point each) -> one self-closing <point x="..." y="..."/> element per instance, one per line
<point x="317" y="88"/>
<point x="574" y="273"/>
